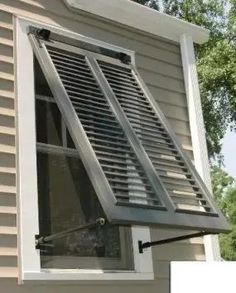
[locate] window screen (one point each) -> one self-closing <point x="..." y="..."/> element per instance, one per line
<point x="66" y="197"/>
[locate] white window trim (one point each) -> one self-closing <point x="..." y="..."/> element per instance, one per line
<point x="28" y="227"/>
<point x="211" y="243"/>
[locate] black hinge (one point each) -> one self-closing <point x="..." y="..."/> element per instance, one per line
<point x="124" y="58"/>
<point x="41" y="33"/>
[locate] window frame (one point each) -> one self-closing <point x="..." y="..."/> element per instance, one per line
<point x="28" y="227"/>
<point x="197" y="128"/>
<point x="63" y="149"/>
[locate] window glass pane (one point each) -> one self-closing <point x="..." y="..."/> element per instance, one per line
<point x="66" y="200"/>
<point x="48" y="123"/>
<point x="70" y="143"/>
<point x="41" y="86"/>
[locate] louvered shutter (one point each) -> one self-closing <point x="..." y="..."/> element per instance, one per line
<point x="176" y="172"/>
<point x="138" y="169"/>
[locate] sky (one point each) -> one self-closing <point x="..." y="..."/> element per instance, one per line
<point x="229" y="152"/>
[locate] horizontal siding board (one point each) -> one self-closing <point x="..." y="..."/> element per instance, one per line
<point x="7" y="210"/>
<point x="5" y="32"/>
<point x="7" y="121"/>
<point x="160" y="81"/>
<point x="5" y="25"/>
<point x="5" y="84"/>
<point x="5" y="17"/>
<point x="7" y="149"/>
<point x="162" y="268"/>
<point x="165" y="95"/>
<point x="179" y="252"/>
<point x="6" y="94"/>
<point x="175" y="112"/>
<point x="8" y="251"/>
<point x="189" y="154"/>
<point x="180" y="127"/>
<point x="6" y="76"/>
<point x="8" y="241"/>
<point x="7" y="112"/>
<point x="159" y="234"/>
<point x="185" y="140"/>
<point x="6" y="102"/>
<point x="7" y="42"/>
<point x="7" y="230"/>
<point x="158" y="286"/>
<point x="9" y="272"/>
<point x="7" y="199"/>
<point x="7" y="130"/>
<point x="8" y="220"/>
<point x="165" y="68"/>
<point x="6" y="68"/>
<point x="7" y="139"/>
<point x="6" y="59"/>
<point x="8" y="261"/>
<point x="6" y="50"/>
<point x="7" y="179"/>
<point x="137" y="46"/>
<point x="7" y="160"/>
<point x="7" y="189"/>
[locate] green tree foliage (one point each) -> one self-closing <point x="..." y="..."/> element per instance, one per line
<point x="224" y="190"/>
<point x="221" y="181"/>
<point x="150" y="3"/>
<point x="216" y="60"/>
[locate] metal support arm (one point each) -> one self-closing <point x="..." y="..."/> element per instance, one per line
<point x="43" y="240"/>
<point x="144" y="245"/>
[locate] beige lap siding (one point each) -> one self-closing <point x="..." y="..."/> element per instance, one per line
<point x="159" y="63"/>
<point x="8" y="233"/>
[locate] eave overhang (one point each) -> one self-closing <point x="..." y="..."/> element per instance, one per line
<point x="136" y="16"/>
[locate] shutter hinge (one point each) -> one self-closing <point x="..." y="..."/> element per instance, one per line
<point x="124" y="58"/>
<point x="41" y="33"/>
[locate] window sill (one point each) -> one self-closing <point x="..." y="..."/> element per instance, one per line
<point x="84" y="275"/>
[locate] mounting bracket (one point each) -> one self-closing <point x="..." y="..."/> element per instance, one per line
<point x="142" y="245"/>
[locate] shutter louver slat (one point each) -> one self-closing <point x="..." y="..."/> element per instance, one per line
<point x="103" y="131"/>
<point x="155" y="139"/>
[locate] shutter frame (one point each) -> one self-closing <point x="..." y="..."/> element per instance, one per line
<point x="120" y="214"/>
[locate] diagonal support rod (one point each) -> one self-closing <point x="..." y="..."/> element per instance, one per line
<point x="142" y="245"/>
<point x="43" y="240"/>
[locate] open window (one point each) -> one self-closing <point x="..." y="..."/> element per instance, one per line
<point x="136" y="166"/>
<point x="66" y="197"/>
<point x="103" y="149"/>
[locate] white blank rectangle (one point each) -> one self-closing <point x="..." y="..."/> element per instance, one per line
<point x="201" y="277"/>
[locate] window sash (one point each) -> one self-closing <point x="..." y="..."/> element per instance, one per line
<point x="89" y="262"/>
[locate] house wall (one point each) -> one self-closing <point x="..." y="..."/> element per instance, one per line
<point x="159" y="63"/>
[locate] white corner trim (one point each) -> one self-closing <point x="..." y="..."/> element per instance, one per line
<point x="211" y="243"/>
<point x="28" y="225"/>
<point x="140" y="17"/>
